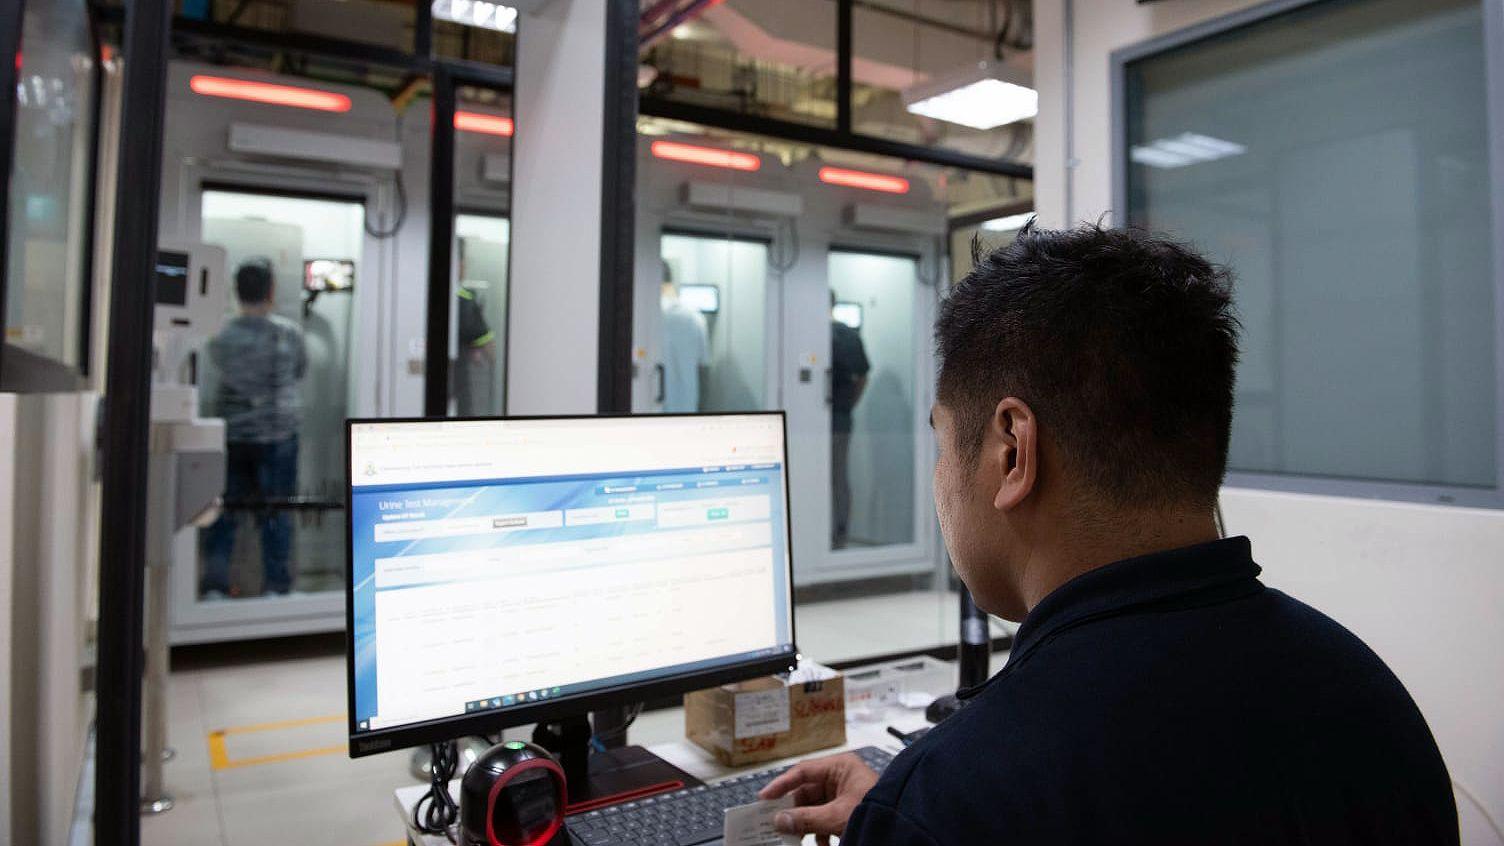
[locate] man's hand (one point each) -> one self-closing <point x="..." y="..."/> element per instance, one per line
<point x="826" y="791"/>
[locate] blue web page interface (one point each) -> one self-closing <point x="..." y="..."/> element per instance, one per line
<point x="496" y="563"/>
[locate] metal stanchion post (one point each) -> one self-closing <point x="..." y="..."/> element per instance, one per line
<point x="154" y="798"/>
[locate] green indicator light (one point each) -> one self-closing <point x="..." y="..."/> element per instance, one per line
<point x="515" y="744"/>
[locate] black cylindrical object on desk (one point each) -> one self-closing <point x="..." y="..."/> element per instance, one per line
<point x="975" y="648"/>
<point x="973" y="655"/>
<point x="513" y="795"/>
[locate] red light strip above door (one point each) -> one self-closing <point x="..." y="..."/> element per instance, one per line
<point x="269" y="93"/>
<point x="484" y="124"/>
<point x="708" y="156"/>
<point x="884" y="182"/>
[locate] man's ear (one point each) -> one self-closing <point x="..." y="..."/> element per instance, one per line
<point x="1014" y="435"/>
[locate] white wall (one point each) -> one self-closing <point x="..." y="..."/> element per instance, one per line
<point x="46" y="501"/>
<point x="1423" y="585"/>
<point x="556" y="267"/>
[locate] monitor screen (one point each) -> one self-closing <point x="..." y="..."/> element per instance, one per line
<point x="705" y="299"/>
<point x="328" y="275"/>
<point x="848" y="313"/>
<point x="172" y="278"/>
<point x="499" y="564"/>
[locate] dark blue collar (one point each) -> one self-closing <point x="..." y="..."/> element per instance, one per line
<point x="1205" y="571"/>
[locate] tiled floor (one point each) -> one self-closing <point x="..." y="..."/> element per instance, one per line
<point x="280" y="774"/>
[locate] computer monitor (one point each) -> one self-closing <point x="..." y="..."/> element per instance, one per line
<point x="511" y="571"/>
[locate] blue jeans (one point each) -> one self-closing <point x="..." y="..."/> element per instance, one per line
<point x="255" y="471"/>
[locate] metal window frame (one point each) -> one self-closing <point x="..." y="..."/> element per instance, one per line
<point x="12" y="13"/>
<point x="127" y="407"/>
<point x="1374" y="489"/>
<point x="842" y="136"/>
<point x="618" y="209"/>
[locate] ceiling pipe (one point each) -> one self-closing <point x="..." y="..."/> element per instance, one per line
<point x="693" y="10"/>
<point x="653" y="13"/>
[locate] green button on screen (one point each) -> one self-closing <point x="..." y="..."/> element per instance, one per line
<point x="717" y="514"/>
<point x="622" y="513"/>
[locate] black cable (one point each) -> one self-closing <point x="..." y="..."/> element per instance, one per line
<point x="441" y="811"/>
<point x="401" y="212"/>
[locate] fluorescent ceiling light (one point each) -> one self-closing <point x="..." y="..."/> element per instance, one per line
<point x="708" y="156"/>
<point x="483" y="123"/>
<point x="477" y="13"/>
<point x="887" y="183"/>
<point x="269" y="93"/>
<point x="1011" y="223"/>
<point x="1187" y="148"/>
<point x="983" y="96"/>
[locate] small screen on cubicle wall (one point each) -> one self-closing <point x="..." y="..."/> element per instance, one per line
<point x="705" y="299"/>
<point x="328" y="275"/>
<point x="848" y="313"/>
<point x="172" y="278"/>
<point x="500" y="563"/>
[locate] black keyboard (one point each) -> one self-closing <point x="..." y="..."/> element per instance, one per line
<point x="685" y="817"/>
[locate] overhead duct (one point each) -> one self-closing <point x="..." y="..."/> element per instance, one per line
<point x="755" y="201"/>
<point x="313" y="146"/>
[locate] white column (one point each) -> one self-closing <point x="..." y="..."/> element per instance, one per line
<point x="556" y="210"/>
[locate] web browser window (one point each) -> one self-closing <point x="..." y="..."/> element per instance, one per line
<point x="497" y="563"/>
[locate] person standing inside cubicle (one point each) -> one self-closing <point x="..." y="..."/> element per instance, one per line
<point x="261" y="359"/>
<point x="848" y="380"/>
<point x="475" y="366"/>
<point x="1157" y="691"/>
<point x="686" y="350"/>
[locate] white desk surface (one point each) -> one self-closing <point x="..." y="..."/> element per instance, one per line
<point x="701" y="764"/>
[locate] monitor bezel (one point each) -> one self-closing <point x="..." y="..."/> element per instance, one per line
<point x="377" y="741"/>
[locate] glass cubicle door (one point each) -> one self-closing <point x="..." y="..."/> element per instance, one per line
<point x="280" y="373"/>
<point x="872" y="399"/>
<point x="712" y="324"/>
<point x="482" y="241"/>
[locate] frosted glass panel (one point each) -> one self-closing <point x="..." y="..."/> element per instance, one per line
<point x="1336" y="158"/>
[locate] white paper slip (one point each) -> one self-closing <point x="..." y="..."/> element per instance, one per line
<point x="752" y="825"/>
<point x="762" y="712"/>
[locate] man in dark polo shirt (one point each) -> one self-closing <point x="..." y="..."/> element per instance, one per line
<point x="1157" y="692"/>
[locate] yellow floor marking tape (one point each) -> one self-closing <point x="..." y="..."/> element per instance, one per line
<point x="219" y="757"/>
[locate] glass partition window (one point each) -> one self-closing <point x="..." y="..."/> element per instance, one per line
<point x="479" y="382"/>
<point x="1337" y="159"/>
<point x="49" y="186"/>
<point x="481" y="252"/>
<point x="279" y="372"/>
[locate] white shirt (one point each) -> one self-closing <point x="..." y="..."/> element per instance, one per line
<point x="686" y="348"/>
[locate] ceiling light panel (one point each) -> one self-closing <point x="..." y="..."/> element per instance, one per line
<point x="477" y="13"/>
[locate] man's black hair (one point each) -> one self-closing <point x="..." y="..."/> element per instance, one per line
<point x="253" y="281"/>
<point x="1124" y="345"/>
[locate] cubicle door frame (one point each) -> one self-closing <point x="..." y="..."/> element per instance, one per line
<point x="195" y="621"/>
<point x="1493" y="45"/>
<point x="820" y="563"/>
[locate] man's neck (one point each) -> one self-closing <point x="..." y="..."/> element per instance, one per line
<point x="261" y="310"/>
<point x="1107" y="541"/>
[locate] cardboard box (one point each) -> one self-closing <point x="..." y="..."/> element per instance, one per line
<point x="769" y="718"/>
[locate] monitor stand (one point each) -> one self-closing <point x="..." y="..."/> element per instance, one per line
<point x="608" y="777"/>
